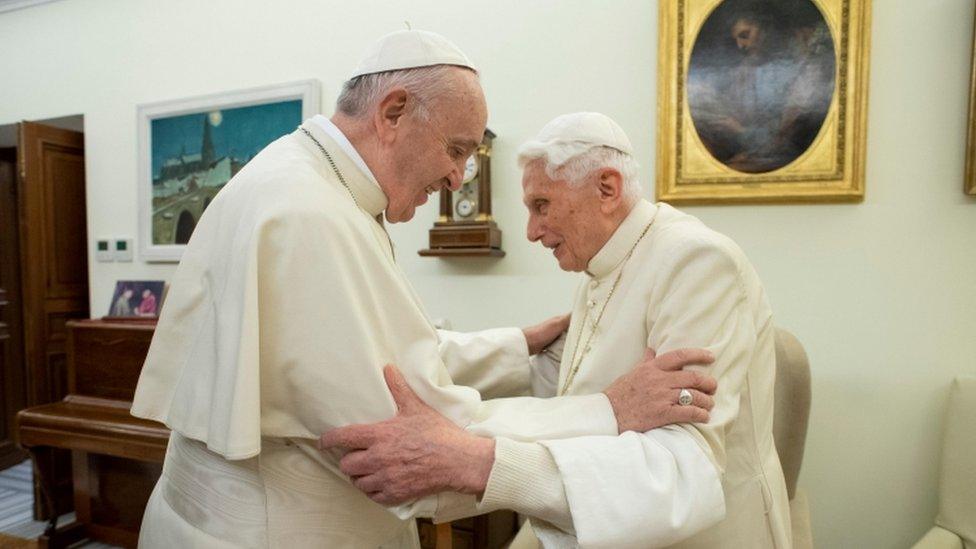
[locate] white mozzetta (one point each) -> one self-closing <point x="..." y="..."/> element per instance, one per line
<point x="684" y="286"/>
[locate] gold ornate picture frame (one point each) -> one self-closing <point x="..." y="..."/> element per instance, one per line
<point x="969" y="185"/>
<point x="762" y="101"/>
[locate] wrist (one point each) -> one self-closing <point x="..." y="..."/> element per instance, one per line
<point x="478" y="470"/>
<point x="531" y="341"/>
<point x="615" y="408"/>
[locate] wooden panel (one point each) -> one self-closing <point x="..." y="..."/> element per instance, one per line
<point x="111" y="495"/>
<point x="102" y="427"/>
<point x="124" y="486"/>
<point x="67" y="249"/>
<point x="56" y="372"/>
<point x="53" y="235"/>
<point x="500" y="528"/>
<point x="13" y="383"/>
<point x="459" y="236"/>
<point x="107" y="357"/>
<point x="491" y="531"/>
<point x="57" y="325"/>
<point x="54" y="269"/>
<point x="84" y="483"/>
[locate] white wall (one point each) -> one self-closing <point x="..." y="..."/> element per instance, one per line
<point x="882" y="294"/>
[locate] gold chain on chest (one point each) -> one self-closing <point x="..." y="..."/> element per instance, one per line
<point x="574" y="365"/>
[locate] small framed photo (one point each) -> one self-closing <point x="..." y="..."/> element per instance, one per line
<point x="136" y="299"/>
<point x="190" y="148"/>
<point x="762" y="100"/>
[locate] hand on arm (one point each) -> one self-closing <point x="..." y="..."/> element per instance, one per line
<point x="416" y="453"/>
<point x="419" y="452"/>
<point x="647" y="396"/>
<point x="539" y="337"/>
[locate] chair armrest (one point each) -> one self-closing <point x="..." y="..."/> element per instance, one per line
<point x="800" y="519"/>
<point x="939" y="538"/>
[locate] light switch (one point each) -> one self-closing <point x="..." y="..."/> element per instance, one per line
<point x="103" y="250"/>
<point x="123" y="249"/>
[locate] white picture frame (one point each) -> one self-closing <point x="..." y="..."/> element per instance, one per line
<point x="175" y="187"/>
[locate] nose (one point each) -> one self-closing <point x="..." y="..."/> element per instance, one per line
<point x="454" y="178"/>
<point x="533" y="230"/>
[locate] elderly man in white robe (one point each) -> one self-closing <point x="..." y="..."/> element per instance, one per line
<point x="288" y="302"/>
<point x="654" y="278"/>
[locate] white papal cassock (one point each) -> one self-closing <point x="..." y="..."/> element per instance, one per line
<point x="684" y="285"/>
<point x="284" y="309"/>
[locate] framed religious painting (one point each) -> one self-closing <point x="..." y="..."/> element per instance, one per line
<point x="762" y="100"/>
<point x="969" y="185"/>
<point x="189" y="149"/>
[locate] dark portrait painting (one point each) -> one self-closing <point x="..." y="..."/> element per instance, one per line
<point x="760" y="81"/>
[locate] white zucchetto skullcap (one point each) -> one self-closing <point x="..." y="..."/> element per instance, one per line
<point x="569" y="135"/>
<point x="410" y="49"/>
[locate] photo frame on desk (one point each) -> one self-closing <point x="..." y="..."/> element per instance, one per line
<point x="136" y="300"/>
<point x="190" y="148"/>
<point x="762" y="101"/>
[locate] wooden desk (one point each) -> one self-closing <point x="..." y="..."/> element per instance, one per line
<point x="116" y="458"/>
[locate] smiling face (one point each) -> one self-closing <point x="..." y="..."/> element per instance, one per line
<point x="568" y="220"/>
<point x="426" y="155"/>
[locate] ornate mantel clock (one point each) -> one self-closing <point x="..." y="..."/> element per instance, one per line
<point x="465" y="226"/>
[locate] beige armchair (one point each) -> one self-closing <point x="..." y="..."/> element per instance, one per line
<point x="791" y="415"/>
<point x="955" y="525"/>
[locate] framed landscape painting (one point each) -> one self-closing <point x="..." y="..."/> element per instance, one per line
<point x="762" y="100"/>
<point x="190" y="148"/>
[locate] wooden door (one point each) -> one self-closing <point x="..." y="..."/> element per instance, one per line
<point x="53" y="267"/>
<point x="13" y="375"/>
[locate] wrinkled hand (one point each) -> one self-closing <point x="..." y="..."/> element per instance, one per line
<point x="416" y="453"/>
<point x="541" y="335"/>
<point x="647" y="396"/>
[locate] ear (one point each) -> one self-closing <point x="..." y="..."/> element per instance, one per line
<point x="390" y="114"/>
<point x="610" y="184"/>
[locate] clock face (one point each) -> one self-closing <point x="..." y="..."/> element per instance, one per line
<point x="464" y="207"/>
<point x="470" y="168"/>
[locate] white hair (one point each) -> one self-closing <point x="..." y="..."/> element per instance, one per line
<point x="426" y="84"/>
<point x="574" y="161"/>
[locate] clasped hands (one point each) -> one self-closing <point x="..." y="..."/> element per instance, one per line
<point x="419" y="452"/>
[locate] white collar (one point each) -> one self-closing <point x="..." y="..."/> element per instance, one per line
<point x="340" y="138"/>
<point x="622" y="241"/>
<point x="367" y="194"/>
